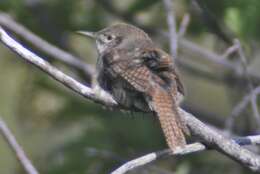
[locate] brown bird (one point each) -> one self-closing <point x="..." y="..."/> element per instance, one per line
<point x="140" y="76"/>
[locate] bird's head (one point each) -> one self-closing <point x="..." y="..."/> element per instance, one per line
<point x="117" y="36"/>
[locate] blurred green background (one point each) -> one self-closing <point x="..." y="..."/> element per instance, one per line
<point x="64" y="133"/>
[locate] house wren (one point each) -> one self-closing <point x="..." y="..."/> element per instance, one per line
<point x="140" y="76"/>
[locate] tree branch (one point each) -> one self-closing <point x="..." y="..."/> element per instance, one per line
<point x="190" y="148"/>
<point x="209" y="136"/>
<point x="240" y="107"/>
<point x="17" y="149"/>
<point x="172" y="27"/>
<point x="222" y="144"/>
<point x="184" y="25"/>
<point x="249" y="81"/>
<point x="51" y="50"/>
<point x="96" y="95"/>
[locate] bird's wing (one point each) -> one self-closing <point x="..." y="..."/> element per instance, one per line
<point x="162" y="64"/>
<point x="129" y="68"/>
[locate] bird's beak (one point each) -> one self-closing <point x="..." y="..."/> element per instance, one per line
<point x="87" y="33"/>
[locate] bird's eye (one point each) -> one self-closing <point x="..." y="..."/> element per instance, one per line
<point x="109" y="37"/>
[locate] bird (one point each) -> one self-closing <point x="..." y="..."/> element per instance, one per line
<point x="141" y="77"/>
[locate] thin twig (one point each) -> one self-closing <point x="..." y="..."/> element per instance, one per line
<point x="90" y="151"/>
<point x="148" y="158"/>
<point x="209" y="136"/>
<point x="17" y="149"/>
<point x="191" y="148"/>
<point x="240" y="107"/>
<point x="171" y="21"/>
<point x="249" y="82"/>
<point x="207" y="55"/>
<point x="230" y="51"/>
<point x="184" y="25"/>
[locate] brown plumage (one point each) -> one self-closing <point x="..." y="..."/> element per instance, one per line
<point x="165" y="108"/>
<point x="140" y="77"/>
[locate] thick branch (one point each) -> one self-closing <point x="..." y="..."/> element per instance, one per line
<point x="221" y="143"/>
<point x="21" y="156"/>
<point x="208" y="135"/>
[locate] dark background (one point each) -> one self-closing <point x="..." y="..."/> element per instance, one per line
<point x="64" y="133"/>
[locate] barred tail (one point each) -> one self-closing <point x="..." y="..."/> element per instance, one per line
<point x="166" y="110"/>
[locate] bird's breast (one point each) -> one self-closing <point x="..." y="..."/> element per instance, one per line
<point x="122" y="91"/>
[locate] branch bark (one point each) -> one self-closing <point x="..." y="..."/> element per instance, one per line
<point x="209" y="136"/>
<point x="96" y="95"/>
<point x="190" y="148"/>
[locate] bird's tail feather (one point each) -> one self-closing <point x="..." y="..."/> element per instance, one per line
<point x="173" y="127"/>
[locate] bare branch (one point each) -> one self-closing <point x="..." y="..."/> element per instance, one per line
<point x="191" y="148"/>
<point x="143" y="160"/>
<point x="17" y="149"/>
<point x="249" y="81"/>
<point x="207" y="55"/>
<point x="230" y="50"/>
<point x="240" y="107"/>
<point x="184" y="25"/>
<point x="51" y="50"/>
<point x="252" y="96"/>
<point x="96" y="95"/>
<point x="222" y="144"/>
<point x="209" y="136"/>
<point x="172" y="28"/>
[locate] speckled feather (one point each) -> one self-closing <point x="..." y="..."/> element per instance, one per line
<point x="168" y="115"/>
